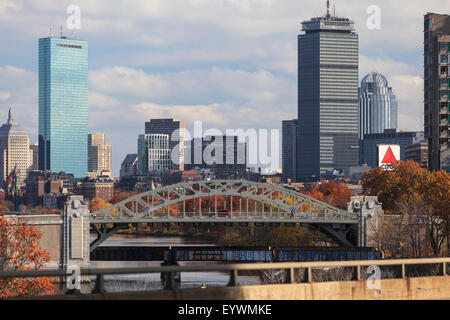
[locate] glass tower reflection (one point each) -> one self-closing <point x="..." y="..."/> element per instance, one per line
<point x="63" y="105"/>
<point x="377" y="105"/>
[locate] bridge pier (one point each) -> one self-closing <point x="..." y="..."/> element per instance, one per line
<point x="233" y="282"/>
<point x="75" y="251"/>
<point x="170" y="280"/>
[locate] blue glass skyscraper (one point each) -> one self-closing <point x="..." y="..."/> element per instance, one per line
<point x="377" y="105"/>
<point x="63" y="105"/>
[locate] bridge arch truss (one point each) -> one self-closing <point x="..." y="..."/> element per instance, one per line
<point x="256" y="203"/>
<point x="247" y="201"/>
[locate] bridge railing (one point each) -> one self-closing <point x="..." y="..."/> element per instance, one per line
<point x="234" y="270"/>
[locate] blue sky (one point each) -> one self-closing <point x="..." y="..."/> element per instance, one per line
<point x="230" y="63"/>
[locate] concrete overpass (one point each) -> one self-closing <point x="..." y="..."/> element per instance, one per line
<point x="300" y="282"/>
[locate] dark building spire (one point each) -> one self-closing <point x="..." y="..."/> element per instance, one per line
<point x="10" y="118"/>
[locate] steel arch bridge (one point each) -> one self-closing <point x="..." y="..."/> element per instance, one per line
<point x="248" y="202"/>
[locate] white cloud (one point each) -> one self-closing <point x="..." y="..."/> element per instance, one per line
<point x="189" y="113"/>
<point x="197" y="86"/>
<point x="8" y="5"/>
<point x="5" y="95"/>
<point x="19" y="90"/>
<point x="101" y="101"/>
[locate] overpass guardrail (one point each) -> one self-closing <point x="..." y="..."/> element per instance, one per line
<point x="234" y="270"/>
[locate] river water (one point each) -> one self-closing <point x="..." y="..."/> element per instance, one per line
<point x="152" y="281"/>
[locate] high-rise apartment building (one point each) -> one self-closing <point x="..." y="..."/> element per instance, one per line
<point x="99" y="154"/>
<point x="327" y="96"/>
<point x="63" y="105"/>
<point x="176" y="131"/>
<point x="437" y="89"/>
<point x="377" y="105"/>
<point x="15" y="153"/>
<point x="289" y="149"/>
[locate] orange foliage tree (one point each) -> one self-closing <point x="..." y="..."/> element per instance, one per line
<point x="411" y="190"/>
<point x="19" y="250"/>
<point x="98" y="204"/>
<point x="332" y="192"/>
<point x="408" y="182"/>
<point x="122" y="196"/>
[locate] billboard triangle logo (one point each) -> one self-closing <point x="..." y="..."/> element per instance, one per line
<point x="389" y="157"/>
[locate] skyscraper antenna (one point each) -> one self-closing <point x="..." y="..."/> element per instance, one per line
<point x="328" y="9"/>
<point x="60" y="31"/>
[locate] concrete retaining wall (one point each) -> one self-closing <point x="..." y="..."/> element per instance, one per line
<point x="426" y="288"/>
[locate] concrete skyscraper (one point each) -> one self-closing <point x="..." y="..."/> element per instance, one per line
<point x="99" y="155"/>
<point x="63" y="105"/>
<point x="437" y="89"/>
<point x="289" y="149"/>
<point x="327" y="96"/>
<point x="377" y="105"/>
<point x="15" y="152"/>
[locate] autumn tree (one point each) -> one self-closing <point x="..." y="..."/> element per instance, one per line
<point x="7" y="205"/>
<point x="23" y="208"/>
<point x="19" y="250"/>
<point x="436" y="196"/>
<point x="98" y="204"/>
<point x="411" y="190"/>
<point x="392" y="187"/>
<point x="332" y="192"/>
<point x="120" y="196"/>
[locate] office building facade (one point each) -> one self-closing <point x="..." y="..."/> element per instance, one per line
<point x="101" y="189"/>
<point x="15" y="152"/>
<point x="63" y="105"/>
<point x="176" y="132"/>
<point x="154" y="154"/>
<point x="418" y="152"/>
<point x="224" y="156"/>
<point x="327" y="96"/>
<point x="369" y="147"/>
<point x="35" y="149"/>
<point x="437" y="89"/>
<point x="289" y="149"/>
<point x="99" y="154"/>
<point x="377" y="105"/>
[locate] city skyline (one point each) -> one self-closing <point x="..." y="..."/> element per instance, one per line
<point x="250" y="76"/>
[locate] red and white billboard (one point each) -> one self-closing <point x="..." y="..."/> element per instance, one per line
<point x="388" y="154"/>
